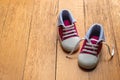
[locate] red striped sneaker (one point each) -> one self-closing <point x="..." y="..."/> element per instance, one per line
<point x="67" y="31"/>
<point x="90" y="51"/>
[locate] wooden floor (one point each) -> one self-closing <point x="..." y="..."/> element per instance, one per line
<point x="29" y="47"/>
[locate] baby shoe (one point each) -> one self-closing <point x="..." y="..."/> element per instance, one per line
<point x="90" y="51"/>
<point x="67" y="31"/>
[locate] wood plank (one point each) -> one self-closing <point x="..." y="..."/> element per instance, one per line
<point x="115" y="16"/>
<point x="97" y="11"/>
<point x="14" y="38"/>
<point x="68" y="69"/>
<point x="3" y="12"/>
<point x="41" y="57"/>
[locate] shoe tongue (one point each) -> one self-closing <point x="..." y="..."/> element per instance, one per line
<point x="67" y="22"/>
<point x="94" y="39"/>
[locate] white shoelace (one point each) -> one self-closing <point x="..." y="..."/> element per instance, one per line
<point x="71" y="31"/>
<point x="94" y="47"/>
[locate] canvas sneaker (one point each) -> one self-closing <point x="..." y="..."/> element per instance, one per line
<point x="90" y="51"/>
<point x="67" y="31"/>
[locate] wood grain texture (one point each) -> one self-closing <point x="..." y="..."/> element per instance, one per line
<point x="41" y="57"/>
<point x="4" y="4"/>
<point x="68" y="69"/>
<point x="114" y="7"/>
<point x="14" y="39"/>
<point x="97" y="11"/>
<point x="29" y="46"/>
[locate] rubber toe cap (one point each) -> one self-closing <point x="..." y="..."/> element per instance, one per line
<point x="70" y="43"/>
<point x="87" y="61"/>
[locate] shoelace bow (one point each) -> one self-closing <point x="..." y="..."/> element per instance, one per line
<point x="88" y="44"/>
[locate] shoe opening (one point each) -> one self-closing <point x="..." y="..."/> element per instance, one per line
<point x="66" y="16"/>
<point x="95" y="31"/>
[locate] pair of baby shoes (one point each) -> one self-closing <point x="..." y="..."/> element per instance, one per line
<point x="93" y="41"/>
